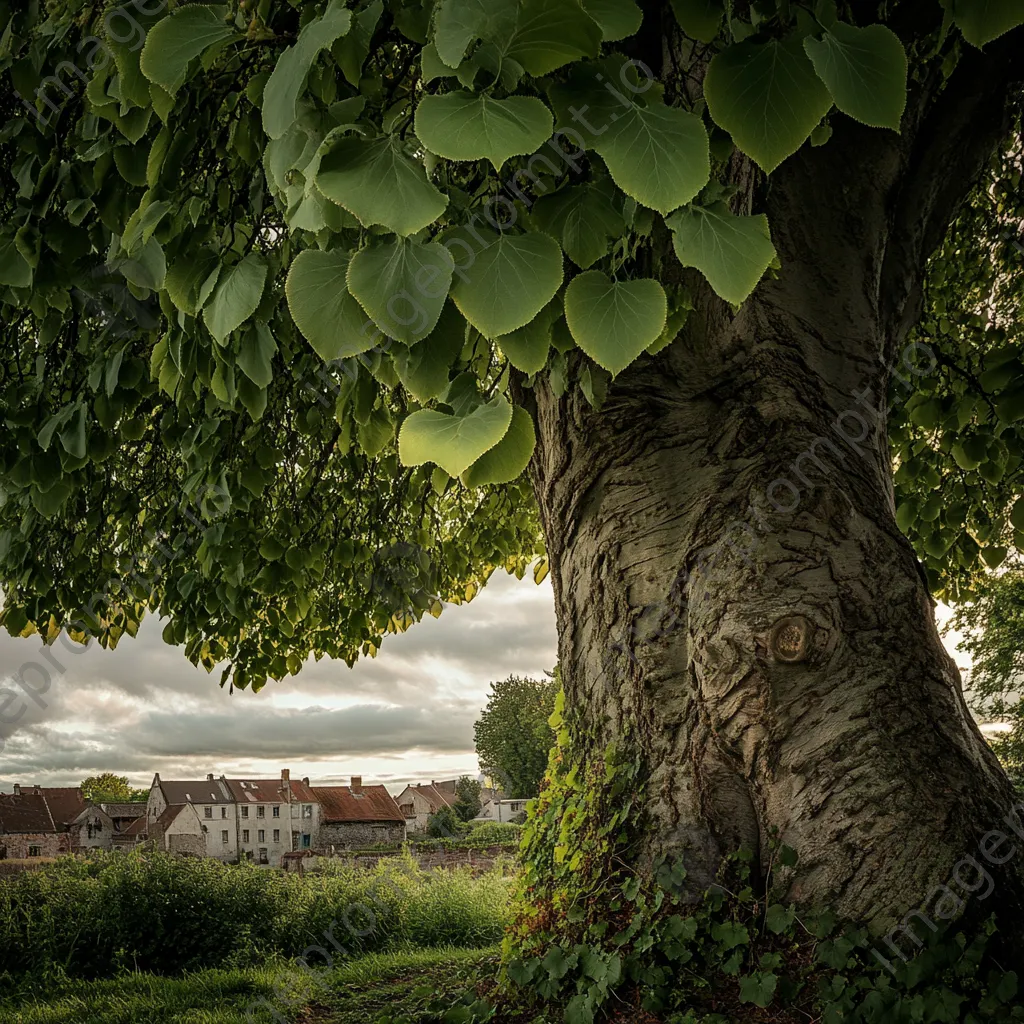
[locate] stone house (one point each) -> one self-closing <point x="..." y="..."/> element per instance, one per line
<point x="275" y="817"/>
<point x="65" y="812"/>
<point x="27" y="828"/>
<point x="356" y="816"/>
<point x="123" y="815"/>
<point x="214" y="804"/>
<point x="418" y="803"/>
<point x="92" y="829"/>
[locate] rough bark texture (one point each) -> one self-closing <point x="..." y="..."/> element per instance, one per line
<point x="729" y="578"/>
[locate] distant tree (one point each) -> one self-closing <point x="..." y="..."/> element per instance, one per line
<point x="443" y="824"/>
<point x="109" y="789"/>
<point x="468" y="804"/>
<point x="513" y="736"/>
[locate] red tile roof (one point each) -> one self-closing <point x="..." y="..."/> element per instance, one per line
<point x="269" y="791"/>
<point x="436" y="798"/>
<point x="65" y="803"/>
<point x="370" y="803"/>
<point x="27" y="813"/>
<point x="137" y="828"/>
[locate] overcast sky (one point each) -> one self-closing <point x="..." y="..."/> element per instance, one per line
<point x="405" y="716"/>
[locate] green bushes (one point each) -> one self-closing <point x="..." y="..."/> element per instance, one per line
<point x="163" y="914"/>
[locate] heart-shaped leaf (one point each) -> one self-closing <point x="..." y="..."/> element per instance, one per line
<point x="453" y="442"/>
<point x="236" y="297"/>
<point x="509" y="457"/>
<point x="613" y="322"/>
<point x="175" y="41"/>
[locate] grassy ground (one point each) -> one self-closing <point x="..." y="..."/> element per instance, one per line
<point x="359" y="992"/>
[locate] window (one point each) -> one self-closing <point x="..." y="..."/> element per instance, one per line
<point x="245" y="835"/>
<point x="245" y="812"/>
<point x="207" y="812"/>
<point x="307" y="810"/>
<point x="224" y="837"/>
<point x="305" y="840"/>
<point x="263" y="856"/>
<point x="223" y="812"/>
<point x="261" y="836"/>
<point x="35" y="851"/>
<point x="261" y="811"/>
<point x="277" y="811"/>
<point x="277" y="835"/>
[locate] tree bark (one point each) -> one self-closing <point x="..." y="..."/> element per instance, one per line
<point x="731" y="585"/>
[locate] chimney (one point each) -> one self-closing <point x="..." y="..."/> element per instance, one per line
<point x="286" y="774"/>
<point x="357" y="784"/>
<point x="36" y="789"/>
<point x="17" y="790"/>
<point x="209" y="778"/>
<point x="305" y="782"/>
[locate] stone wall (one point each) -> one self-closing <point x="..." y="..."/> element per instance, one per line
<point x="50" y="844"/>
<point x="356" y="835"/>
<point x="182" y="842"/>
<point x="477" y="860"/>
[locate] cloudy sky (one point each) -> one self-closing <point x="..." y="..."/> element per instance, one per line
<point x="405" y="716"/>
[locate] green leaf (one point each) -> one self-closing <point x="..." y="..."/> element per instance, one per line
<point x="461" y="22"/>
<point x="283" y="88"/>
<point x="14" y="268"/>
<point x="236" y="297"/>
<point x="453" y="442"/>
<point x="509" y="457"/>
<point x="550" y="34"/>
<point x="376" y="182"/>
<point x="402" y="286"/>
<point x="618" y="19"/>
<point x="731" y="252"/>
<point x="584" y="218"/>
<point x="699" y="19"/>
<point x="865" y="69"/>
<point x="330" y="319"/>
<point x="256" y="356"/>
<point x="352" y="49"/>
<point x="778" y="918"/>
<point x="508" y="281"/>
<point x="186" y="276"/>
<point x="464" y="126"/>
<point x="527" y="347"/>
<point x="49" y="502"/>
<point x="175" y="41"/>
<point x="424" y="368"/>
<point x="767" y="96"/>
<point x="613" y="322"/>
<point x="981" y="21"/>
<point x="658" y="155"/>
<point x="758" y="988"/>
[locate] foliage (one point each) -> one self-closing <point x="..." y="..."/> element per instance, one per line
<point x="155" y="912"/>
<point x="109" y="788"/>
<point x="443" y="823"/>
<point x="277" y="278"/>
<point x="513" y="737"/>
<point x="468" y="804"/>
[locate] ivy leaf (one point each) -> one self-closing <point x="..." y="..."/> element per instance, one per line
<point x="281" y="93"/>
<point x="376" y="182"/>
<point x="175" y="41"/>
<point x="236" y="297"/>
<point x="865" y="69"/>
<point x="699" y="19"/>
<point x="778" y="918"/>
<point x="402" y="286"/>
<point x="503" y="285"/>
<point x="618" y="19"/>
<point x="758" y="989"/>
<point x="509" y="457"/>
<point x="453" y="442"/>
<point x="584" y="218"/>
<point x="981" y="21"/>
<point x="731" y="252"/>
<point x="767" y="96"/>
<point x="614" y="322"/>
<point x="464" y="126"/>
<point x="658" y="155"/>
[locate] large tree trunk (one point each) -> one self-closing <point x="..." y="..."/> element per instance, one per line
<point x="730" y="581"/>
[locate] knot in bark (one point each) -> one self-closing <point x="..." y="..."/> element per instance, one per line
<point x="790" y="639"/>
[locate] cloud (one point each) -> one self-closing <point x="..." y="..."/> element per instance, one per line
<point x="143" y="708"/>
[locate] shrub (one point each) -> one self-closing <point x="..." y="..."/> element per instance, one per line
<point x="444" y="824"/>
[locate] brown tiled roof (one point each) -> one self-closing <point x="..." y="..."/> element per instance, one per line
<point x="436" y="798"/>
<point x="65" y="802"/>
<point x="136" y="828"/>
<point x="169" y="813"/>
<point x="370" y="803"/>
<point x="269" y="791"/>
<point x="202" y="792"/>
<point x="136" y="810"/>
<point x="25" y="813"/>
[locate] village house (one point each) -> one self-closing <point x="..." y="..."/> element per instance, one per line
<point x="357" y="816"/>
<point x="214" y="804"/>
<point x="417" y="803"/>
<point x="122" y="816"/>
<point x="27" y="828"/>
<point x="496" y="809"/>
<point x="275" y="817"/>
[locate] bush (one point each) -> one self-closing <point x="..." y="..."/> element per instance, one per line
<point x="444" y="824"/>
<point x="496" y="833"/>
<point x="154" y="912"/>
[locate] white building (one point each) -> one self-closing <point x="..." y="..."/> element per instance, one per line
<point x="214" y="803"/>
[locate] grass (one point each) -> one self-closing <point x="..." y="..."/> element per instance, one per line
<point x="357" y="992"/>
